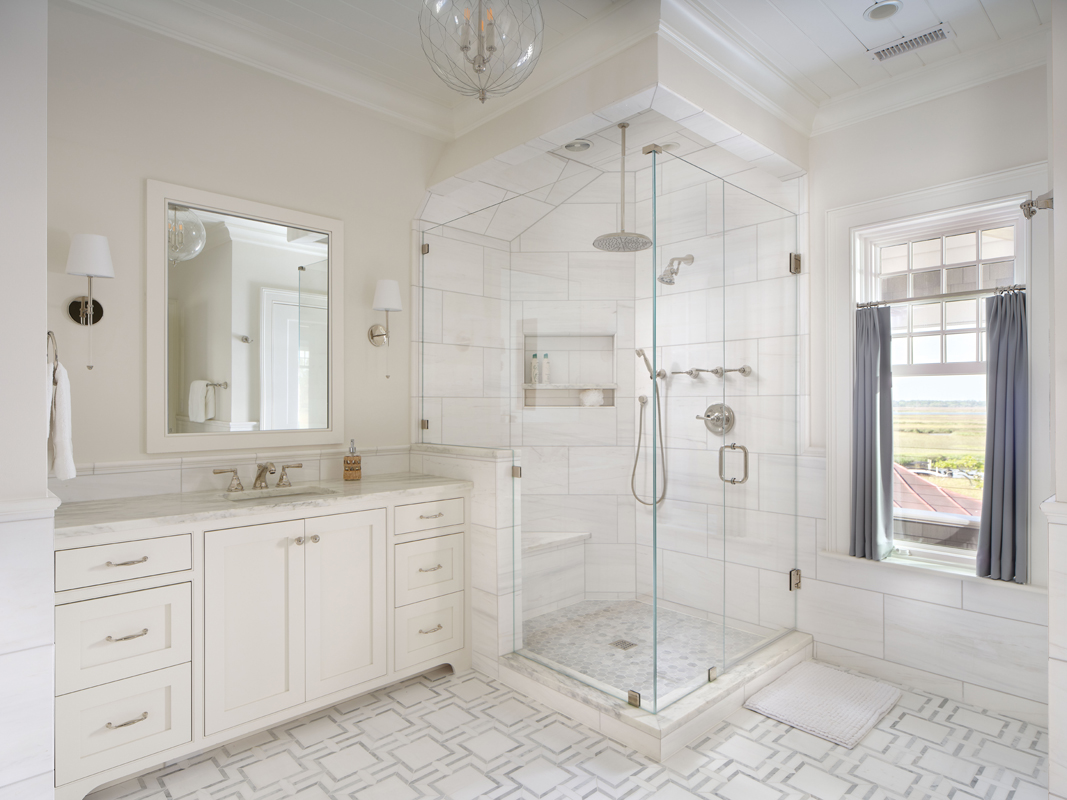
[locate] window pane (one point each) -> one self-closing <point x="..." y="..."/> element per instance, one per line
<point x="1000" y="273"/>
<point x="899" y="350"/>
<point x="899" y="317"/>
<point x="926" y="317"/>
<point x="893" y="259"/>
<point x="961" y="279"/>
<point x="960" y="347"/>
<point x="925" y="284"/>
<point x="926" y="254"/>
<point x="895" y="288"/>
<point x="959" y="249"/>
<point x="939" y="450"/>
<point x="926" y="350"/>
<point x="998" y="243"/>
<point x="961" y="314"/>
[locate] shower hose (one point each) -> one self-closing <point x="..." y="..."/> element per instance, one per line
<point x="662" y="449"/>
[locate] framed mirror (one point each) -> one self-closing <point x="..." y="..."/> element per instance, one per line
<point x="244" y="326"/>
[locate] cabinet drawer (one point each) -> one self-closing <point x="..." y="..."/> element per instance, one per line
<point x="428" y="629"/>
<point x="104" y="640"/>
<point x="427" y="516"/>
<point x="108" y="563"/>
<point x="147" y="714"/>
<point x="428" y="568"/>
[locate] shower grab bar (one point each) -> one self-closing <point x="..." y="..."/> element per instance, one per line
<point x="722" y="463"/>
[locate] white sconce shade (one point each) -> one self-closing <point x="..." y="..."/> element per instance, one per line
<point x="387" y="296"/>
<point x="90" y="255"/>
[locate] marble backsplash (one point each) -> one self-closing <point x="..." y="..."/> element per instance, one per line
<point x="103" y="481"/>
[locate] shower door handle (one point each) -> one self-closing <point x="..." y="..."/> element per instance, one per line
<point x="722" y="463"/>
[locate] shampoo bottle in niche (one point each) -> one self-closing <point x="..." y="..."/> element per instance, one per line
<point x="546" y="370"/>
<point x="353" y="463"/>
<point x="535" y="372"/>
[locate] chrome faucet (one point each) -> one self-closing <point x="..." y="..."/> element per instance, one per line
<point x="283" y="479"/>
<point x="261" y="475"/>
<point x="235" y="482"/>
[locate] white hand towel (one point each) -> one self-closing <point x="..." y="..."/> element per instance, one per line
<point x="50" y="393"/>
<point x="61" y="438"/>
<point x="209" y="403"/>
<point x="198" y="401"/>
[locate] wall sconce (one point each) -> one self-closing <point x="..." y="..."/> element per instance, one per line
<point x="89" y="256"/>
<point x="386" y="298"/>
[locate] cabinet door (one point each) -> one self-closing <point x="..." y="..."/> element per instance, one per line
<point x="254" y="622"/>
<point x="346" y="600"/>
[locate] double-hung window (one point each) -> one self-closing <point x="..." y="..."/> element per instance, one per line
<point x="934" y="273"/>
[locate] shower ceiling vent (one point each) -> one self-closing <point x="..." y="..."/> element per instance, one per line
<point x="622" y="644"/>
<point x="941" y="33"/>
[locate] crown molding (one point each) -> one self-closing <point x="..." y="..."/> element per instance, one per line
<point x="941" y="79"/>
<point x="255" y="46"/>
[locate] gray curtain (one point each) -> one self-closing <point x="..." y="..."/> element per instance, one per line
<point x="872" y="438"/>
<point x="1002" y="545"/>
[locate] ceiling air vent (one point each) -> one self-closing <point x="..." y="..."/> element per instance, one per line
<point x="941" y="33"/>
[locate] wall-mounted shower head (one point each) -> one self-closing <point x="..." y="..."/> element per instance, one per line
<point x="671" y="270"/>
<point x="651" y="375"/>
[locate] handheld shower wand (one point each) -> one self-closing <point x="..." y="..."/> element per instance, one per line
<point x="651" y="375"/>
<point x="641" y="434"/>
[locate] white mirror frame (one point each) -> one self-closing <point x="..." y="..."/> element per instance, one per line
<point x="158" y="439"/>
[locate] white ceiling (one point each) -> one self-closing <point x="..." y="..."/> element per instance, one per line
<point x="821" y="45"/>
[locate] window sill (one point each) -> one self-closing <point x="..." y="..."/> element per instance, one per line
<point x="913" y="566"/>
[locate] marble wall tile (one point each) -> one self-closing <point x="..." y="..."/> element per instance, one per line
<point x="681" y="527"/>
<point x="431" y="314"/>
<point x="29" y="606"/>
<point x="602" y="276"/>
<point x="429" y="409"/>
<point x="740" y="255"/>
<point x="681" y="214"/>
<point x="484" y="623"/>
<point x="496" y="280"/>
<point x="681" y="426"/>
<point x="539" y="276"/>
<point x="476" y="422"/>
<point x="1002" y="599"/>
<point x="680" y="318"/>
<point x="793" y="485"/>
<point x="758" y="538"/>
<point x="452" y="265"/>
<point x="627" y="527"/>
<point x="776" y="240"/>
<point x="553" y="579"/>
<point x="609" y="568"/>
<point x="778" y="364"/>
<point x="593" y="514"/>
<point x="1057" y="595"/>
<point x="706" y="271"/>
<point x="761" y="309"/>
<point x="766" y="423"/>
<point x="842" y="616"/>
<point x="600" y="470"/>
<point x="997" y="653"/>
<point x="112" y="485"/>
<point x="1010" y="705"/>
<point x="897" y="673"/>
<point x="26" y="690"/>
<point x="777" y="605"/>
<point x="900" y="581"/>
<point x="499" y="372"/>
<point x="515" y="215"/>
<point x="545" y="470"/>
<point x="569" y="426"/>
<point x="736" y="353"/>
<point x="573" y="317"/>
<point x="484" y="494"/>
<point x="477" y="321"/>
<point x="742" y="593"/>
<point x="693" y="581"/>
<point x="570" y="228"/>
<point x="453" y="370"/>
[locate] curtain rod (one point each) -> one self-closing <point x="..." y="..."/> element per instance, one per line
<point x="1018" y="287"/>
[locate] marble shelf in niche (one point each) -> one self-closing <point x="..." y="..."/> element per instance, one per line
<point x="580" y="362"/>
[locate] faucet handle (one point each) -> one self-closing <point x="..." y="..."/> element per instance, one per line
<point x="235" y="482"/>
<point x="283" y="479"/>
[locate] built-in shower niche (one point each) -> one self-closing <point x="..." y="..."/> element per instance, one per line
<point x="581" y="370"/>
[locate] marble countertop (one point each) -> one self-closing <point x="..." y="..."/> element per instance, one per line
<point x="130" y="513"/>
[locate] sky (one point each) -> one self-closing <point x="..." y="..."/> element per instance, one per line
<point x="941" y="387"/>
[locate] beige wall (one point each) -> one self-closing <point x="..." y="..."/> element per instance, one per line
<point x="127" y="105"/>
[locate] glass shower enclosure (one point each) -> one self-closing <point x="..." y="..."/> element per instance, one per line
<point x="650" y="397"/>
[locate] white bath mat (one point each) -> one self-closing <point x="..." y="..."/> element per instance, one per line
<point x="826" y="702"/>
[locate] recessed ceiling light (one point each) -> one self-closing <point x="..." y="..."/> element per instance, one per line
<point x="669" y="146"/>
<point x="578" y="145"/>
<point x="883" y="9"/>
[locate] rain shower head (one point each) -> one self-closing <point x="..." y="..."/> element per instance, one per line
<point x="671" y="270"/>
<point x="621" y="241"/>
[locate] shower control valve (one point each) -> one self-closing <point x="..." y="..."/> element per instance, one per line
<point x="718" y="418"/>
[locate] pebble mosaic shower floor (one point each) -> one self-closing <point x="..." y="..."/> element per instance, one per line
<point x="579" y="638"/>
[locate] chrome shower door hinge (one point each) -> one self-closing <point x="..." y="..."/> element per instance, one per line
<point x="424" y="424"/>
<point x="516" y="472"/>
<point x="633" y="698"/>
<point x="794" y="579"/>
<point x="713" y="673"/>
<point x="425" y="249"/>
<point x="794" y="263"/>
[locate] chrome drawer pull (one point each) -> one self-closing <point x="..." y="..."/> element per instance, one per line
<point x="433" y="630"/>
<point x="431" y="569"/>
<point x="141" y="718"/>
<point x="127" y="563"/>
<point x="315" y="539"/>
<point x="144" y="632"/>
<point x="438" y="515"/>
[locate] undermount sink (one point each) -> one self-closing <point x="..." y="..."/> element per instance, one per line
<point x="285" y="491"/>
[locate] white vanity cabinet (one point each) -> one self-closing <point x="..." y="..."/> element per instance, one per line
<point x="294" y="611"/>
<point x="190" y="622"/>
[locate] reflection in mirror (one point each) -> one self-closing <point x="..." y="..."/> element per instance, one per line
<point x="247" y="324"/>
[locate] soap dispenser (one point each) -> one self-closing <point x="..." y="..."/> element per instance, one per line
<point x="353" y="463"/>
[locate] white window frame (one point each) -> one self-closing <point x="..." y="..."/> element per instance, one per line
<point x="846" y="286"/>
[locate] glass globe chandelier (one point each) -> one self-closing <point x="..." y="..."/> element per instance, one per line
<point x="186" y="235"/>
<point x="482" y="48"/>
